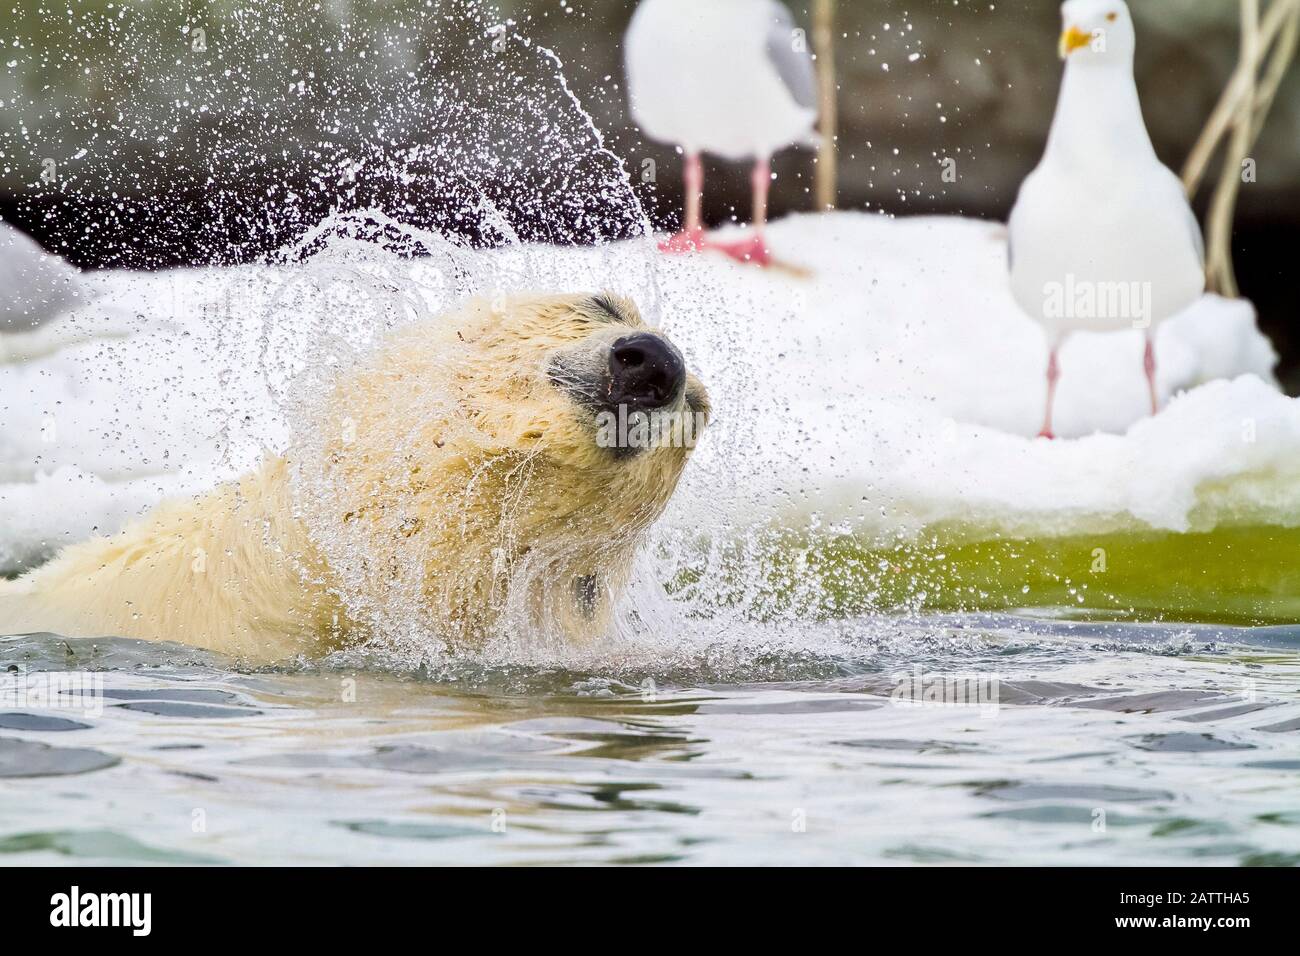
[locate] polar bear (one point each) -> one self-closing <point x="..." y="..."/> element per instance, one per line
<point x="468" y="462"/>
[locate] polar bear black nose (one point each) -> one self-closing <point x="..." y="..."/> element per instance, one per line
<point x="645" y="372"/>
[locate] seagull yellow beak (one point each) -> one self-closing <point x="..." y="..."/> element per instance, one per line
<point x="1072" y="39"/>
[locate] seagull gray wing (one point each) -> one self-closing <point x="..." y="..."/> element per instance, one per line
<point x="795" y="67"/>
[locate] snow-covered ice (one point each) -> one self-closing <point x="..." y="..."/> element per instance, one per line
<point x="891" y="389"/>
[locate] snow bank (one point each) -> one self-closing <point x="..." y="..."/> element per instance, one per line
<point x="899" y="387"/>
<point x="891" y="389"/>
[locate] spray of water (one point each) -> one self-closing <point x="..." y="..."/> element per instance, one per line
<point x="454" y="162"/>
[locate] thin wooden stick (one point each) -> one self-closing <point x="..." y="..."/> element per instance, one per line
<point x="1278" y="65"/>
<point x="827" y="160"/>
<point x="1219" y="274"/>
<point x="1198" y="160"/>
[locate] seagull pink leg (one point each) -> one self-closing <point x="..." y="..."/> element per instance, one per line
<point x="1149" y="364"/>
<point x="691" y="238"/>
<point x="753" y="249"/>
<point x="1053" y="373"/>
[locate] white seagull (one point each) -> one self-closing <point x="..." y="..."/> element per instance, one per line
<point x="34" y="285"/>
<point x="729" y="77"/>
<point x="1101" y="237"/>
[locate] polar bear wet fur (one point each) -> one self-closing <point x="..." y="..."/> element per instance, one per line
<point x="455" y="469"/>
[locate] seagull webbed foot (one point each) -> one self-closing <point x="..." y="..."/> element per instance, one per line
<point x="686" y="241"/>
<point x="752" y="250"/>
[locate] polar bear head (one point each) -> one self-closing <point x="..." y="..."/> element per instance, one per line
<point x="499" y="465"/>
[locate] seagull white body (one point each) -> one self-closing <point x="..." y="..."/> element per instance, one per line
<point x="1102" y="237"/>
<point x="733" y="78"/>
<point x="700" y="75"/>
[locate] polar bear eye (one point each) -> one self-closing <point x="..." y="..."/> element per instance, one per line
<point x="612" y="308"/>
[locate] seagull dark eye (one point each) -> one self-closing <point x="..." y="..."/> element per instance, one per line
<point x="1112" y="17"/>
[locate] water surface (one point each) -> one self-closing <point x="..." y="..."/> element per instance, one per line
<point x="1107" y="743"/>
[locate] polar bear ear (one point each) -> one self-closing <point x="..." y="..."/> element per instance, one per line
<point x="612" y="307"/>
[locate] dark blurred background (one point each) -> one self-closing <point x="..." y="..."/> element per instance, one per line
<point x="146" y="134"/>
